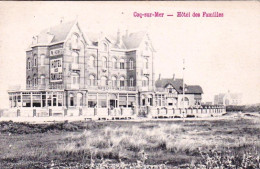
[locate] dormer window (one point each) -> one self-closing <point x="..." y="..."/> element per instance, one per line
<point x="146" y="46"/>
<point x="146" y="63"/>
<point x="104" y="47"/>
<point x="75" y="56"/>
<point x="74" y="40"/>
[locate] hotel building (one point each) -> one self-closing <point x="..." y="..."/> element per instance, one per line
<point x="71" y="72"/>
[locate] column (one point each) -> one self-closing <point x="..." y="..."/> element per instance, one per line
<point x="51" y="99"/>
<point x="16" y="100"/>
<point x="86" y="99"/>
<point x="21" y="99"/>
<point x="126" y="100"/>
<point x="31" y="100"/>
<point x="161" y="100"/>
<point x="107" y="101"/>
<point x="165" y="100"/>
<point x="64" y="99"/>
<point x="68" y="99"/>
<point x="41" y="99"/>
<point x="97" y="100"/>
<point x="117" y="100"/>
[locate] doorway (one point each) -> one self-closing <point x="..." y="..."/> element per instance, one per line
<point x="113" y="103"/>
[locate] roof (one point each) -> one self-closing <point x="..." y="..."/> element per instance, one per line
<point x="132" y="41"/>
<point x="194" y="89"/>
<point x="178" y="85"/>
<point x="54" y="34"/>
<point x="60" y="32"/>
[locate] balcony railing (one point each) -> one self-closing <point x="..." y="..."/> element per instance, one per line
<point x="124" y="88"/>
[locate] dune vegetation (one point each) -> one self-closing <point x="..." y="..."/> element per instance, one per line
<point x="230" y="143"/>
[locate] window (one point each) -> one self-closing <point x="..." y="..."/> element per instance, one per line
<point x="186" y="102"/>
<point x="114" y="81"/>
<point x="71" y="100"/>
<point x="170" y="90"/>
<point x="145" y="81"/>
<point x="91" y="80"/>
<point x="42" y="80"/>
<point x="29" y="81"/>
<point x="79" y="99"/>
<point x="42" y="59"/>
<point x="122" y="82"/>
<point x="104" y="47"/>
<point x="131" y="64"/>
<point x="92" y="61"/>
<point x="103" y="81"/>
<point x="75" y="56"/>
<point x="146" y="46"/>
<point x="28" y="63"/>
<point x="146" y="63"/>
<point x="122" y="64"/>
<point x="74" y="39"/>
<point x="114" y="63"/>
<point x="131" y="82"/>
<point x="75" y="80"/>
<point x="104" y="60"/>
<point x="35" y="80"/>
<point x="35" y="61"/>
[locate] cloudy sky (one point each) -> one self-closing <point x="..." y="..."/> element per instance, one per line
<point x="221" y="54"/>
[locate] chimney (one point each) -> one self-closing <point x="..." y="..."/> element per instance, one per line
<point x="173" y="76"/>
<point x="160" y="76"/>
<point x="35" y="40"/>
<point x="126" y="33"/>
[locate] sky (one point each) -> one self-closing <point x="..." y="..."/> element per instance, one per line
<point x="220" y="54"/>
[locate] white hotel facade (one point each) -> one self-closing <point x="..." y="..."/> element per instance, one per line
<point x="71" y="72"/>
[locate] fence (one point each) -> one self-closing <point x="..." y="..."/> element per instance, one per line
<point x="73" y="111"/>
<point x="166" y="112"/>
<point x="150" y="112"/>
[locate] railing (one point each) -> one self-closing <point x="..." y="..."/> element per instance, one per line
<point x="43" y="87"/>
<point x="125" y="88"/>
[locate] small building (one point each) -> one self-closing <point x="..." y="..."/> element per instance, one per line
<point x="172" y="91"/>
<point x="228" y="99"/>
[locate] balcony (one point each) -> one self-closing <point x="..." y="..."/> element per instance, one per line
<point x="111" y="88"/>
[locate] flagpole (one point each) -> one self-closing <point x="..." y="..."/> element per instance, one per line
<point x="183" y="90"/>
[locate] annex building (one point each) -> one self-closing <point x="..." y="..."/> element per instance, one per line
<point x="72" y="72"/>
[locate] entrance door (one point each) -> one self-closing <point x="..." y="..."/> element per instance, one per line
<point x="54" y="101"/>
<point x="113" y="103"/>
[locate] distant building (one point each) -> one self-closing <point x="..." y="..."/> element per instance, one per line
<point x="228" y="99"/>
